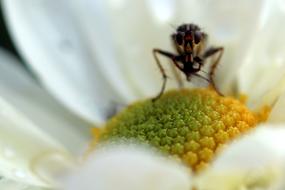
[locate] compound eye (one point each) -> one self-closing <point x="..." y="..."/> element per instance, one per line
<point x="197" y="36"/>
<point x="179" y="38"/>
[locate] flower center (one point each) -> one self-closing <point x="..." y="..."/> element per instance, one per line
<point x="192" y="125"/>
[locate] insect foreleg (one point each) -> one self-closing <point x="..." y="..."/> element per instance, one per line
<point x="208" y="53"/>
<point x="167" y="54"/>
<point x="176" y="74"/>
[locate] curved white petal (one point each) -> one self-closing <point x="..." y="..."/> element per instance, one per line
<point x="36" y="134"/>
<point x="6" y="184"/>
<point x="51" y="41"/>
<point x="128" y="167"/>
<point x="256" y="161"/>
<point x="262" y="76"/>
<point x="123" y="41"/>
<point x="122" y="45"/>
<point x="136" y="27"/>
<point x="28" y="155"/>
<point x="228" y="25"/>
<point x="278" y="110"/>
<point x="21" y="91"/>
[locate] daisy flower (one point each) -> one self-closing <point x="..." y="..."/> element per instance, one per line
<point x="93" y="57"/>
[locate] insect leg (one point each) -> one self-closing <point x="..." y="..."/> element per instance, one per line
<point x="202" y="77"/>
<point x="198" y="60"/>
<point x="176" y="73"/>
<point x="208" y="53"/>
<point x="169" y="55"/>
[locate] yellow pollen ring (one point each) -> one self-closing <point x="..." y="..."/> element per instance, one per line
<point x="192" y="125"/>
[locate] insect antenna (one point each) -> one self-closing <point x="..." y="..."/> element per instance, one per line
<point x="173" y="26"/>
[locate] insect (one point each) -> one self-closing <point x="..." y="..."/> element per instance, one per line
<point x="191" y="47"/>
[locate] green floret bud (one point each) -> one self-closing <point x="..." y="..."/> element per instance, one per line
<point x="189" y="124"/>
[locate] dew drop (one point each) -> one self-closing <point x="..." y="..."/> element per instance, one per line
<point x="51" y="165"/>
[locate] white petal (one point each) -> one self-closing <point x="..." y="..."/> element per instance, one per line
<point x="278" y="110"/>
<point x="228" y="26"/>
<point x="6" y="184"/>
<point x="37" y="136"/>
<point x="134" y="37"/>
<point x="163" y="10"/>
<point x="21" y="91"/>
<point x="28" y="155"/>
<point x="129" y="168"/>
<point x="50" y="39"/>
<point x="123" y="42"/>
<point x="262" y="76"/>
<point x="256" y="161"/>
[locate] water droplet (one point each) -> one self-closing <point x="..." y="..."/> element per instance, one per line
<point x="51" y="165"/>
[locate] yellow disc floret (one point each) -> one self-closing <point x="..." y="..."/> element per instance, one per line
<point x="189" y="124"/>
